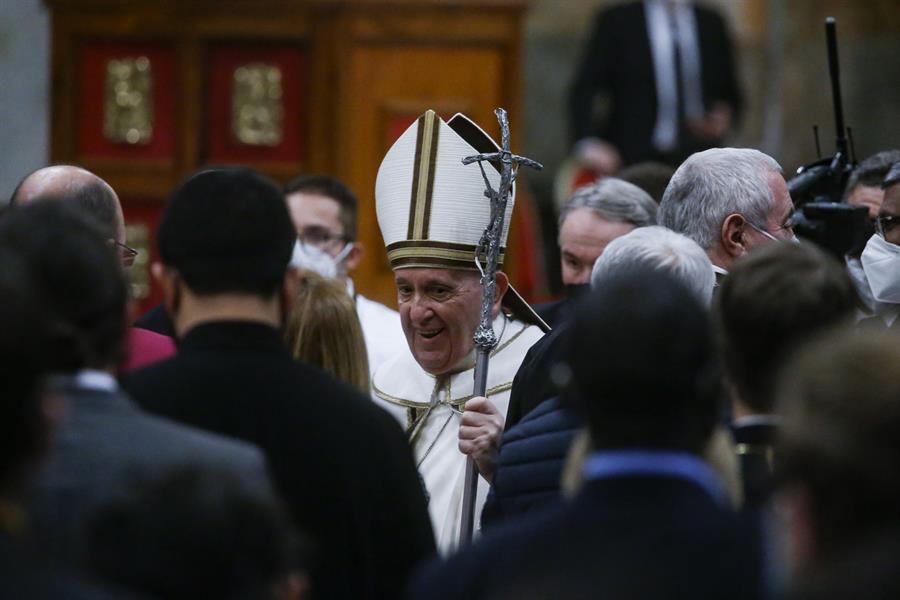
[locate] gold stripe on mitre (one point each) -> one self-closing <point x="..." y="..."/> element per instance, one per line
<point x="423" y="175"/>
<point x="434" y="254"/>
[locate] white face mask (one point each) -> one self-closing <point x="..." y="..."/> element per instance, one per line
<point x="881" y="264"/>
<point x="314" y="259"/>
<point x="858" y="276"/>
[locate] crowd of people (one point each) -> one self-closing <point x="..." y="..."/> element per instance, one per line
<point x="712" y="412"/>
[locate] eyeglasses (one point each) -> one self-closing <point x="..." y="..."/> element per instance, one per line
<point x="126" y="253"/>
<point x="764" y="232"/>
<point x="885" y="223"/>
<point x="320" y="238"/>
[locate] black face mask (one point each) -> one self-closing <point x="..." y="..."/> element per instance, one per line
<point x="577" y="290"/>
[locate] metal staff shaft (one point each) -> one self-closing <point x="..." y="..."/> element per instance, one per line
<point x="489" y="246"/>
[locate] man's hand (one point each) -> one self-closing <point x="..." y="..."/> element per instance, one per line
<point x="479" y="434"/>
<point x="714" y="125"/>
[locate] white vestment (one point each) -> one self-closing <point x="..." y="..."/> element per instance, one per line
<point x="381" y="329"/>
<point x="436" y="401"/>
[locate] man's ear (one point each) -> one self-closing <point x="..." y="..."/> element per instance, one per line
<point x="734" y="230"/>
<point x="354" y="257"/>
<point x="502" y="284"/>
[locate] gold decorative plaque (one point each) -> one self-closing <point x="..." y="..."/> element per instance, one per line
<point x="137" y="237"/>
<point x="256" y="111"/>
<point x="128" y="111"/>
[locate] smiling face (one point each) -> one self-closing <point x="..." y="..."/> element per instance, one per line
<point x="439" y="311"/>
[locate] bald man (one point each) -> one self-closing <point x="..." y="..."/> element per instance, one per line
<point x="95" y="197"/>
<point x="79" y="186"/>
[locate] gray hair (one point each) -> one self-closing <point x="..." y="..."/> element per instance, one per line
<point x="613" y="200"/>
<point x="713" y="184"/>
<point x="659" y="249"/>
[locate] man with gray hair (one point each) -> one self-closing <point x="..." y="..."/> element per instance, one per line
<point x="593" y="217"/>
<point x="729" y="201"/>
<point x="658" y="249"/>
<point x="532" y="453"/>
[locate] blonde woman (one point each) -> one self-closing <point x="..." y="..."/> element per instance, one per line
<point x="323" y="330"/>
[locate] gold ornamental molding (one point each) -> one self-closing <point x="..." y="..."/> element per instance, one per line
<point x="256" y="108"/>
<point x="128" y="105"/>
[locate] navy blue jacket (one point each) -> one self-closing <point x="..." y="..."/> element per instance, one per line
<point x="620" y="538"/>
<point x="530" y="464"/>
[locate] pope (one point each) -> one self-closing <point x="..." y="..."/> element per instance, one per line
<point x="432" y="211"/>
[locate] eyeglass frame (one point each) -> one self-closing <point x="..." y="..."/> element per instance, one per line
<point x="788" y="225"/>
<point x="892" y="220"/>
<point x="326" y="238"/>
<point x="127" y="254"/>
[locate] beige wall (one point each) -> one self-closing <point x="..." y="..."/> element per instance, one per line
<point x="24" y="90"/>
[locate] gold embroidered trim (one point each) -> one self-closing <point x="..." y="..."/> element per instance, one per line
<point x="501" y="347"/>
<point x="427" y="250"/>
<point x="491" y="392"/>
<point x="457" y="403"/>
<point x="423" y="175"/>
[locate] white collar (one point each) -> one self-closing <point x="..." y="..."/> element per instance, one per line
<point x="93" y="379"/>
<point x="719" y="270"/>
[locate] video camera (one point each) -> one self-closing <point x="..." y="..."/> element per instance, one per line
<point x="817" y="189"/>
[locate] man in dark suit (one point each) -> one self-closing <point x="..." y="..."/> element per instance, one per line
<point x="666" y="69"/>
<point x="103" y="439"/>
<point x="24" y="432"/>
<point x="652" y="519"/>
<point x="341" y="463"/>
<point x="772" y="302"/>
<point x="593" y="217"/>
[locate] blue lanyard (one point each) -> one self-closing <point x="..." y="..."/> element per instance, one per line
<point x="616" y="463"/>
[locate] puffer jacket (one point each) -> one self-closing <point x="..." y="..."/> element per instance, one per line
<point x="530" y="463"/>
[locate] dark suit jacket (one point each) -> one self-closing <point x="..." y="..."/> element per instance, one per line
<point x="107" y="443"/>
<point x="622" y="538"/>
<point x="534" y="382"/>
<point x="618" y="62"/>
<point x="23" y="576"/>
<point x="554" y="312"/>
<point x="341" y="463"/>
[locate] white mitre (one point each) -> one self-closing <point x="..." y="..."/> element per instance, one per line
<point x="432" y="209"/>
